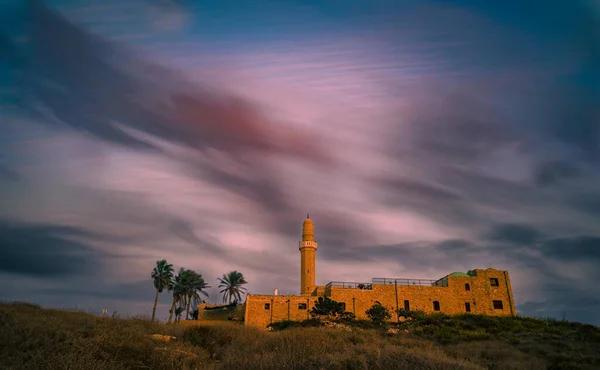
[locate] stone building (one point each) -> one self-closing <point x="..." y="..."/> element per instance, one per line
<point x="479" y="291"/>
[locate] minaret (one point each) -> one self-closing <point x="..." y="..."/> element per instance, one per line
<point x="308" y="249"/>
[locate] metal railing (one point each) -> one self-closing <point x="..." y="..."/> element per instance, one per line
<point x="443" y="282"/>
<point x="343" y="284"/>
<point x="411" y="282"/>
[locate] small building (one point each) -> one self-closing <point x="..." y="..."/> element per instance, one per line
<point x="478" y="291"/>
<point x="221" y="312"/>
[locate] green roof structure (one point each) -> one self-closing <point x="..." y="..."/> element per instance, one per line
<point x="459" y="274"/>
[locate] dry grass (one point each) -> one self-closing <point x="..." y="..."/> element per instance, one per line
<point x="317" y="348"/>
<point x="187" y="323"/>
<point x="35" y="338"/>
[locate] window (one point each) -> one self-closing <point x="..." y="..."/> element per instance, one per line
<point x="436" y="305"/>
<point x="406" y="305"/>
<point x="467" y="307"/>
<point x="494" y="282"/>
<point x="302" y="306"/>
<point x="267" y="306"/>
<point x="343" y="305"/>
<point x="497" y="305"/>
<point x="467" y="286"/>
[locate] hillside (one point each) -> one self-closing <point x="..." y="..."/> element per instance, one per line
<point x="36" y="338"/>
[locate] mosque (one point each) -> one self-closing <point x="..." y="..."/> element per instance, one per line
<point x="478" y="291"/>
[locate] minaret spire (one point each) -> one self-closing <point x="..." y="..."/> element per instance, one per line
<point x="308" y="249"/>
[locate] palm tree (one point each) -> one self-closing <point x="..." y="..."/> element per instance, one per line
<point x="162" y="275"/>
<point x="187" y="287"/>
<point x="195" y="286"/>
<point x="178" y="290"/>
<point x="200" y="285"/>
<point x="232" y="286"/>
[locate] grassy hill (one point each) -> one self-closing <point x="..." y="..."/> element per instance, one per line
<point x="36" y="338"/>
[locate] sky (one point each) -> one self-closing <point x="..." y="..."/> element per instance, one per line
<point x="424" y="137"/>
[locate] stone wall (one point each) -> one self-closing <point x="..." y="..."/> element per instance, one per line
<point x="261" y="310"/>
<point x="450" y="299"/>
<point x="319" y="290"/>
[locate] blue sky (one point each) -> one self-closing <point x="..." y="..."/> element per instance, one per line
<point x="424" y="137"/>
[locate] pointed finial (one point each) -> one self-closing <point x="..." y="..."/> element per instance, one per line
<point x="308" y="233"/>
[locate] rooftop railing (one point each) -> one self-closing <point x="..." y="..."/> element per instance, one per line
<point x="443" y="282"/>
<point x="411" y="282"/>
<point x="343" y="284"/>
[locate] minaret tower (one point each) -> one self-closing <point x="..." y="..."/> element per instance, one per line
<point x="308" y="249"/>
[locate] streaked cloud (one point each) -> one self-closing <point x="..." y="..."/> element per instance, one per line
<point x="423" y="139"/>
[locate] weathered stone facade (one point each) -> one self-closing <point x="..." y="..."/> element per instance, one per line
<point x="479" y="291"/>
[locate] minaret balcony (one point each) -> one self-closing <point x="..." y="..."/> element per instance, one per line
<point x="307" y="244"/>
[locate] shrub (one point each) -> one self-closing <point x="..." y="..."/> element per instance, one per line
<point x="346" y="316"/>
<point x="415" y="315"/>
<point x="326" y="306"/>
<point x="282" y="325"/>
<point x="378" y="314"/>
<point x="287" y="324"/>
<point x="311" y="323"/>
<point x="515" y="341"/>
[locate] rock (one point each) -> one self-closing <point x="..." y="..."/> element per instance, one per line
<point x="162" y="338"/>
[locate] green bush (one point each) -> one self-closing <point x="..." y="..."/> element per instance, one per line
<point x="282" y="325"/>
<point x="326" y="306"/>
<point x="311" y="323"/>
<point x="346" y="316"/>
<point x="378" y="314"/>
<point x="415" y="315"/>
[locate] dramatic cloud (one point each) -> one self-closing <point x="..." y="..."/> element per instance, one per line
<point x="45" y="251"/>
<point x="423" y="139"/>
<point x="514" y="234"/>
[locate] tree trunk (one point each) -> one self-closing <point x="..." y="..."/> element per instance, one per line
<point x="187" y="311"/>
<point x="181" y="304"/>
<point x="155" y="302"/>
<point x="172" y="310"/>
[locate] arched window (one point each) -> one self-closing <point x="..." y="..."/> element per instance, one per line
<point x="436" y="305"/>
<point x="467" y="286"/>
